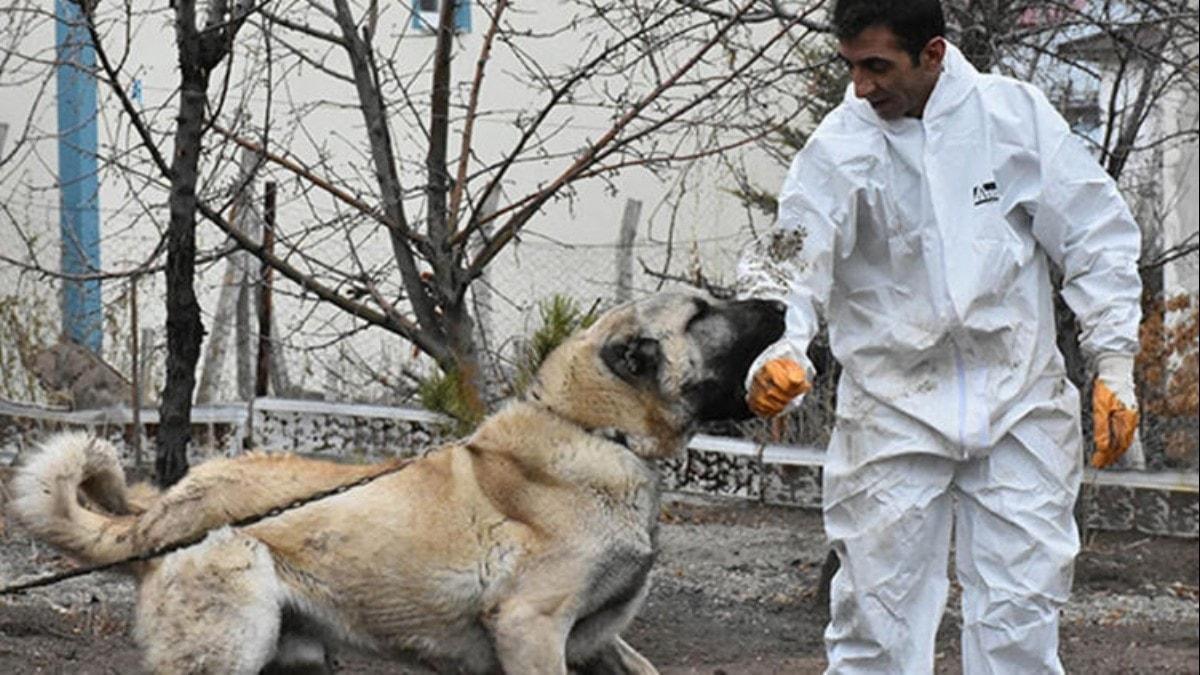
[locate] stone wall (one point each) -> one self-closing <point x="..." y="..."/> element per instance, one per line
<point x="1154" y="503"/>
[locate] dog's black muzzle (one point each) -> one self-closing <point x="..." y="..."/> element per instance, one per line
<point x="754" y="325"/>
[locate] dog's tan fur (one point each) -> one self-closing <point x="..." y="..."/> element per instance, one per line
<point x="525" y="548"/>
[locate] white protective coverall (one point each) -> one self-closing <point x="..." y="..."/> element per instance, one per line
<point x="927" y="245"/>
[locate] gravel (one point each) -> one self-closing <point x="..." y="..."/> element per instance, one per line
<point x="734" y="590"/>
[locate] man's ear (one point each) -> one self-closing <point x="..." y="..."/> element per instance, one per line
<point x="635" y="360"/>
<point x="933" y="54"/>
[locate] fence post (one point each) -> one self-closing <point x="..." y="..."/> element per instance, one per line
<point x="214" y="355"/>
<point x="135" y="393"/>
<point x="145" y="360"/>
<point x="629" y="221"/>
<point x="146" y="370"/>
<point x="247" y="429"/>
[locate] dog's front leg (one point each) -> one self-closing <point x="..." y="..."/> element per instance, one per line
<point x="531" y="637"/>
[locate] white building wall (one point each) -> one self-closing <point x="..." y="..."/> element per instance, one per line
<point x="1181" y="197"/>
<point x="566" y="248"/>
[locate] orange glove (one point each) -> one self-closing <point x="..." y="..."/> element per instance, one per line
<point x="775" y="384"/>
<point x="1114" y="408"/>
<point x="1113" y="425"/>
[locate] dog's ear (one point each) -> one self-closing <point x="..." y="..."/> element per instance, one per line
<point x="635" y="360"/>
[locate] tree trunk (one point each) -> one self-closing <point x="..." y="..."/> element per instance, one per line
<point x="263" y="365"/>
<point x="460" y="334"/>
<point x="448" y="286"/>
<point x="184" y="328"/>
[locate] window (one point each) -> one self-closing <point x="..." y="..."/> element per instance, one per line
<point x="425" y="15"/>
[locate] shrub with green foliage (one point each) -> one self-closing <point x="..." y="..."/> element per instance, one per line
<point x="442" y="393"/>
<point x="560" y="316"/>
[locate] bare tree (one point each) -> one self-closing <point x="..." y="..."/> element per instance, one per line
<point x="624" y="51"/>
<point x="654" y="95"/>
<point x="657" y="84"/>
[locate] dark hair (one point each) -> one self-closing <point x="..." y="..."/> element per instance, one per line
<point x="915" y="22"/>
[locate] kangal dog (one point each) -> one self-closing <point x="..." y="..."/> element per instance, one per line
<point x="525" y="548"/>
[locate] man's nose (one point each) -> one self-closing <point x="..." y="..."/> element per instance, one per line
<point x="864" y="84"/>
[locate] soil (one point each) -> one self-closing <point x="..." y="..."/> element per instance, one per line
<point x="735" y="591"/>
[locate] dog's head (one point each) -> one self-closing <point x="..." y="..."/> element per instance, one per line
<point x="652" y="369"/>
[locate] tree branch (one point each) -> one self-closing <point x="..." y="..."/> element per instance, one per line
<point x="464" y="155"/>
<point x="307" y="174"/>
<point x="390" y="321"/>
<point x="598" y="149"/>
<point x="375" y="116"/>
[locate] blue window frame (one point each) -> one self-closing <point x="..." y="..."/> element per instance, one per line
<point x="425" y="15"/>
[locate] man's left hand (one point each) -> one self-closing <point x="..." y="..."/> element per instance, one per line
<point x="1114" y="408"/>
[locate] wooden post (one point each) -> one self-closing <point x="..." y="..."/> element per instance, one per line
<point x="145" y="361"/>
<point x="629" y="221"/>
<point x="262" y="374"/>
<point x="135" y="394"/>
<point x="281" y="382"/>
<point x="242" y="338"/>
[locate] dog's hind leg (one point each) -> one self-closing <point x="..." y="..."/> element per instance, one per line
<point x="301" y="650"/>
<point x="212" y="608"/>
<point x="299" y="656"/>
<point x="617" y="658"/>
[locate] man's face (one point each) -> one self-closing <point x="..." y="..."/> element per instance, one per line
<point x="885" y="75"/>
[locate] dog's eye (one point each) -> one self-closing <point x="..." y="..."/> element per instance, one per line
<point x="633" y="360"/>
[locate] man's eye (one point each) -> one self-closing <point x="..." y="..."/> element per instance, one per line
<point x="877" y="66"/>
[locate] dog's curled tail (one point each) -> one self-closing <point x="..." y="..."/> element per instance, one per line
<point x="46" y="498"/>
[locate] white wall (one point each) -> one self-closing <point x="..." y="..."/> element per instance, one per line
<point x="707" y="223"/>
<point x="1181" y="197"/>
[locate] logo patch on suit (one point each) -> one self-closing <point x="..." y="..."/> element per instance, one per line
<point x="985" y="192"/>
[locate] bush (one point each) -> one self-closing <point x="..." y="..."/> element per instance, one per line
<point x="1168" y="378"/>
<point x="561" y="316"/>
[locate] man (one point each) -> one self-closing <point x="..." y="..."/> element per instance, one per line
<point x="922" y="219"/>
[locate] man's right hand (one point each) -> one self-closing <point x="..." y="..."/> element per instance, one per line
<point x="774" y="386"/>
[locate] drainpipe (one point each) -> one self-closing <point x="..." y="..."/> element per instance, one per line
<point x="79" y="214"/>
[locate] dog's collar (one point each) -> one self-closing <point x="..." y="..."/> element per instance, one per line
<point x="610" y="434"/>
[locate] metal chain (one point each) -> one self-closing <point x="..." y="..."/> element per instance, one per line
<point x="56" y="577"/>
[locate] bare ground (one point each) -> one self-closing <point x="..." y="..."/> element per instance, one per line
<point x="734" y="592"/>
